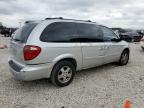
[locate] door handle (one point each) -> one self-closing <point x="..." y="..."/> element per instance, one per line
<point x="104" y="48"/>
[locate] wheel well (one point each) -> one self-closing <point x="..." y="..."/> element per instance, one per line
<point x="73" y="61"/>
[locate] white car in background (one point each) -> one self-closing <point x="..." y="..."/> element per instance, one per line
<point x="142" y="43"/>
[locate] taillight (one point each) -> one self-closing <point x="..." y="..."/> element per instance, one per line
<point x="30" y="52"/>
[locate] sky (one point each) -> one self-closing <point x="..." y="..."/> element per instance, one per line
<point x="111" y="13"/>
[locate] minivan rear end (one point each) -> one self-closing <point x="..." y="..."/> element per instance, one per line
<point x="19" y="40"/>
<point x="21" y="54"/>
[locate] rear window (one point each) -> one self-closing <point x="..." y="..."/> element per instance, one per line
<point x="23" y="33"/>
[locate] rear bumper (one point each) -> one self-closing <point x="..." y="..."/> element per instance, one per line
<point x="30" y="72"/>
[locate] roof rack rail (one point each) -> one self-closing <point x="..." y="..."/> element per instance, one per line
<point x="28" y="22"/>
<point x="54" y="18"/>
<point x="89" y="20"/>
<point x="31" y="21"/>
<point x="68" y="19"/>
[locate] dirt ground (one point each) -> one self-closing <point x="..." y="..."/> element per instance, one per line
<point x="102" y="87"/>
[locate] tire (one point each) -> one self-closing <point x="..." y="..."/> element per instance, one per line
<point x="63" y="73"/>
<point x="124" y="59"/>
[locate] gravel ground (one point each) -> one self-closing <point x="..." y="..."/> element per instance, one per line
<point x="102" y="87"/>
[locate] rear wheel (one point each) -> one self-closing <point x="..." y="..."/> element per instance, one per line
<point x="63" y="73"/>
<point x="124" y="58"/>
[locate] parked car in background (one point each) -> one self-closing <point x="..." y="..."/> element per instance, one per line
<point x="131" y="36"/>
<point x="122" y="33"/>
<point x="56" y="48"/>
<point x="142" y="43"/>
<point x="1" y="27"/>
<point x="136" y="37"/>
<point x="125" y="36"/>
<point x="128" y="35"/>
<point x="7" y="32"/>
<point x="141" y="32"/>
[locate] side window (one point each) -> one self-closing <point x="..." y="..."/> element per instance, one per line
<point x="108" y="34"/>
<point x="89" y="32"/>
<point x="59" y="32"/>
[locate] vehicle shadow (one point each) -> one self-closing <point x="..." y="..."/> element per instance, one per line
<point x="46" y="83"/>
<point x="37" y="84"/>
<point x="98" y="69"/>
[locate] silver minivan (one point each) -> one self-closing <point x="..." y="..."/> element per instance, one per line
<point x="56" y="48"/>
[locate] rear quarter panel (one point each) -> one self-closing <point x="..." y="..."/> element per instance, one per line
<point x="54" y="52"/>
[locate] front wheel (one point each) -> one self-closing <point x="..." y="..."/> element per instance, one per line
<point x="63" y="73"/>
<point x="124" y="58"/>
